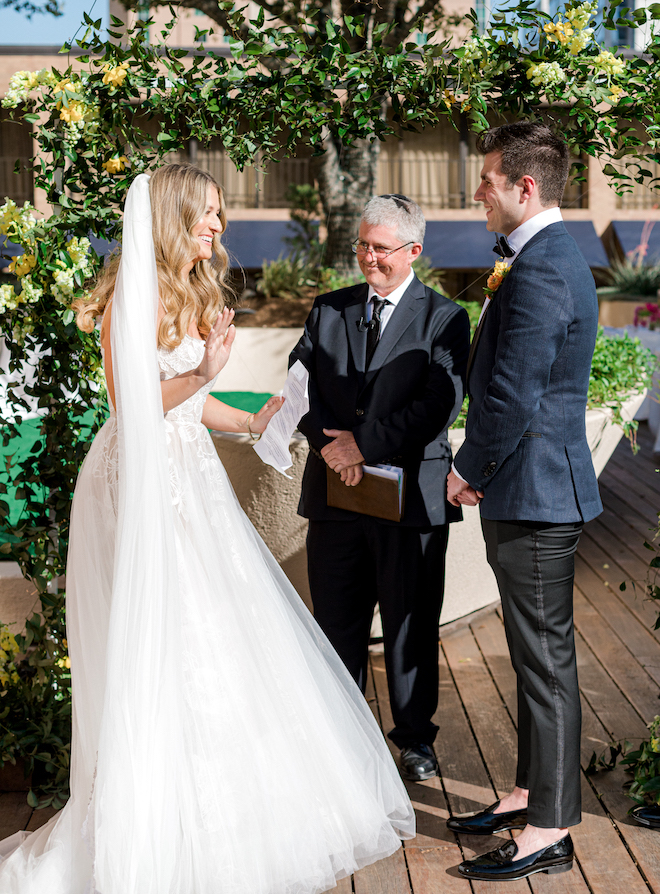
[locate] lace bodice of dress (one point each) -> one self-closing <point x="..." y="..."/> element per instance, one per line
<point x="184" y="357"/>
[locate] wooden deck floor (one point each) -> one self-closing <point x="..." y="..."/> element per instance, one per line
<point x="619" y="667"/>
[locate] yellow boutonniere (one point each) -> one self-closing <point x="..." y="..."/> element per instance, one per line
<point x="496" y="278"/>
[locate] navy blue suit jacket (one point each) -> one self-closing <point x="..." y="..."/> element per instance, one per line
<point x="400" y="408"/>
<point x="526" y="445"/>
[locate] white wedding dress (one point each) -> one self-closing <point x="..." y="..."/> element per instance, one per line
<point x="219" y="745"/>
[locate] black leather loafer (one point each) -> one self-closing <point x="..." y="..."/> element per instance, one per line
<point x="418" y="762"/>
<point x="647" y="815"/>
<point x="486" y="822"/>
<point x="501" y="865"/>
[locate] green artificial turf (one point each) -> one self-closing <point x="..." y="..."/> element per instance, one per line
<point x="29" y="435"/>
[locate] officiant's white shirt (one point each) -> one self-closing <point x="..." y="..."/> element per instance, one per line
<point x="394" y="298"/>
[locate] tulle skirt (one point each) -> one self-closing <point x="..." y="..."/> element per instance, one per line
<point x="272" y="776"/>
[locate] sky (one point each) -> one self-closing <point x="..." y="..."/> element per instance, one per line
<point x="45" y="29"/>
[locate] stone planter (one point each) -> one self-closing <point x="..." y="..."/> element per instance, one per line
<point x="270" y="500"/>
<point x="618" y="308"/>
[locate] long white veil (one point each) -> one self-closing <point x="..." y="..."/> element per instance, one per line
<point x="134" y="781"/>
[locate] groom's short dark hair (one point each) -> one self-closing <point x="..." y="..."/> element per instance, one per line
<point x="532" y="149"/>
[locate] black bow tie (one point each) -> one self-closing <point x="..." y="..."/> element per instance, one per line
<point x="502" y="247"/>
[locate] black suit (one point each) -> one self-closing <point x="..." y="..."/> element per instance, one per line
<point x="399" y="411"/>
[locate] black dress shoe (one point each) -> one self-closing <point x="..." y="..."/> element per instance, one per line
<point x="486" y="822"/>
<point x="647" y="815"/>
<point x="418" y="762"/>
<point x="501" y="864"/>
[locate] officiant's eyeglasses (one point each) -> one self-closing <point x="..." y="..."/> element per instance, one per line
<point x="361" y="248"/>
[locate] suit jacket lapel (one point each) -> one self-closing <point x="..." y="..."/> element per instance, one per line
<point x="554" y="229"/>
<point x="403" y="315"/>
<point x="353" y="312"/>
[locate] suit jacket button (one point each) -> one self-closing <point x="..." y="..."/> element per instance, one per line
<point x="359" y="412"/>
<point x="489" y="468"/>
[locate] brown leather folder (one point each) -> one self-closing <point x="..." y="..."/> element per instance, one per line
<point x="374" y="495"/>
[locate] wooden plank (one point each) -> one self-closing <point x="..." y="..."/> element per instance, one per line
<point x="620" y="477"/>
<point x="464" y="776"/>
<point x="631" y="538"/>
<point x="640" y="507"/>
<point x="14" y="813"/>
<point x="602" y="855"/>
<point x="644" y="647"/>
<point x="643" y="843"/>
<point x="433" y="869"/>
<point x="626" y="513"/>
<point x="643" y="471"/>
<point x="591" y="577"/>
<point x="488" y="716"/>
<point x="491" y="639"/>
<point x="615" y="713"/>
<point x="640" y="690"/>
<point x="388" y="876"/>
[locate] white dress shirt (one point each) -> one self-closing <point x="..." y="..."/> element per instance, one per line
<point x="522" y="234"/>
<point x="394" y="298"/>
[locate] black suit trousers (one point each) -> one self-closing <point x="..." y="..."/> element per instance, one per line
<point x="534" y="566"/>
<point x="357" y="563"/>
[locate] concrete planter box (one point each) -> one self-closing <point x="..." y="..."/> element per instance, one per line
<point x="618" y="308"/>
<point x="271" y="500"/>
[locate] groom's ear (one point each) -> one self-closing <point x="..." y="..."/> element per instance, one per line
<point x="528" y="187"/>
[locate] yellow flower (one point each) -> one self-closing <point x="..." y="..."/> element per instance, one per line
<point x="558" y="32"/>
<point x="615" y="93"/>
<point x="21" y="265"/>
<point x="115" y="76"/>
<point x="449" y="98"/>
<point x="115" y="165"/>
<point x="497" y="276"/>
<point x="75" y="112"/>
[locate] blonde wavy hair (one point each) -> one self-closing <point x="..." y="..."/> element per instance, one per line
<point x="179" y="198"/>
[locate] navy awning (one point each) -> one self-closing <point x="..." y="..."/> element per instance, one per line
<point x="626" y="236"/>
<point x="251" y="242"/>
<point x="468" y="245"/>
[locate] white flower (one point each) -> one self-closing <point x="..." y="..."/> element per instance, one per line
<point x="64" y="284"/>
<point x="609" y="63"/>
<point x="546" y="74"/>
<point x="8" y="298"/>
<point x="30" y="293"/>
<point x="580" y="15"/>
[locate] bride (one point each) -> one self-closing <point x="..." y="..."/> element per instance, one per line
<point x="219" y="745"/>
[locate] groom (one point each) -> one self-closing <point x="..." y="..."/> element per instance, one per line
<point x="527" y="462"/>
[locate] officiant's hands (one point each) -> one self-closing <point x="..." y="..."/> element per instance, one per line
<point x="459" y="492"/>
<point x="218" y="346"/>
<point x="343" y="452"/>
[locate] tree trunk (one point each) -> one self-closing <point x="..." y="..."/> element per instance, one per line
<point x="347" y="180"/>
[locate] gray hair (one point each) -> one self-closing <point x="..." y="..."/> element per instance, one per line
<point x="399" y="213"/>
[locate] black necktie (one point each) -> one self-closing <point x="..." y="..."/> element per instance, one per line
<point x="373" y="333"/>
<point x="502" y="247"/>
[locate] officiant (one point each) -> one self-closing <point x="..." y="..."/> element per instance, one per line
<point x="387" y="363"/>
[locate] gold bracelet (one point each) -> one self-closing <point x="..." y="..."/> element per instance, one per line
<point x="249" y="419"/>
